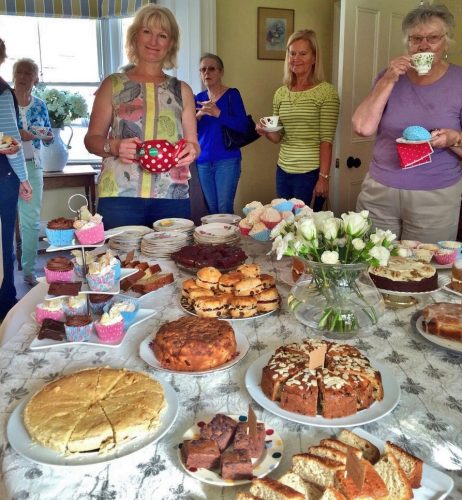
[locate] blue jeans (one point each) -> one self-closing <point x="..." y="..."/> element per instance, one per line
<point x="9" y="189"/>
<point x="299" y="186"/>
<point x="219" y="181"/>
<point x="129" y="211"/>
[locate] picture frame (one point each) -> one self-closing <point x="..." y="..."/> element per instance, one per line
<point x="274" y="29"/>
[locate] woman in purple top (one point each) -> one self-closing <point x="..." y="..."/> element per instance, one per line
<point x="420" y="203"/>
<point x="219" y="169"/>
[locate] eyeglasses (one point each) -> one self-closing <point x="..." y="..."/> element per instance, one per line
<point x="208" y="68"/>
<point x="431" y="39"/>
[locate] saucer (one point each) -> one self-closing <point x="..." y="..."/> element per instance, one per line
<point x="402" y="140"/>
<point x="272" y="129"/>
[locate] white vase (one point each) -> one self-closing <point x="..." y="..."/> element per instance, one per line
<point x="55" y="156"/>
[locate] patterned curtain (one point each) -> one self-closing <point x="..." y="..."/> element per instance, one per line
<point x="93" y="9"/>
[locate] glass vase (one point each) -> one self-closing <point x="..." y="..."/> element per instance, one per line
<point x="338" y="301"/>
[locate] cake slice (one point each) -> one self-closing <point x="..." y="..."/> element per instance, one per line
<point x="370" y="452"/>
<point x="331" y="453"/>
<point x="236" y="465"/>
<point x="152" y="282"/>
<point x="294" y="481"/>
<point x="243" y="495"/>
<point x="373" y="486"/>
<point x="332" y="494"/>
<point x="270" y="489"/>
<point x="200" y="453"/>
<point x="221" y="428"/>
<point x="411" y="465"/>
<point x="300" y="393"/>
<point x="394" y="477"/>
<point x="337" y="398"/>
<point x="338" y="445"/>
<point x="318" y="470"/>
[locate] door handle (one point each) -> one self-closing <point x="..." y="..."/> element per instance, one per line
<point x="353" y="162"/>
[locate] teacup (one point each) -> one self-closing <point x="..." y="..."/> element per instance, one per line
<point x="422" y="62"/>
<point x="159" y="155"/>
<point x="269" y="121"/>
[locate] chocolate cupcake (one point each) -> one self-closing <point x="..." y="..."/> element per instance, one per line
<point x="59" y="269"/>
<point x="60" y="231"/>
<point x="78" y="328"/>
<point x="98" y="301"/>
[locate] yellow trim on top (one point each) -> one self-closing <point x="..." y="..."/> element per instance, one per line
<point x="150" y="103"/>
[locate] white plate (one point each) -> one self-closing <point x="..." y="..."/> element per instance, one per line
<point x="75" y="244"/>
<point x="147" y="355"/>
<point x="124" y="272"/>
<point x="436" y="485"/>
<point x="417" y="320"/>
<point x="377" y="410"/>
<point x="133" y="229"/>
<point x="21" y="442"/>
<point x="173" y="224"/>
<point x="402" y="140"/>
<point x="272" y="129"/>
<point x="269" y="460"/>
<point x="443" y="280"/>
<point x="187" y="308"/>
<point x="223" y="218"/>
<point x="94" y="340"/>
<point x="449" y="289"/>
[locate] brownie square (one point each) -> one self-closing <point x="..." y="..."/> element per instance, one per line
<point x="64" y="288"/>
<point x="52" y="329"/>
<point x="236" y="464"/>
<point x="200" y="453"/>
<point x="243" y="441"/>
<point x="221" y="428"/>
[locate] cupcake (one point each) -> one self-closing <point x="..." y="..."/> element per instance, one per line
<point x="245" y="226"/>
<point x="60" y="232"/>
<point x="53" y="309"/>
<point x="89" y="229"/>
<point x="260" y="232"/>
<point x="270" y="217"/>
<point x="78" y="328"/>
<point x="76" y="304"/>
<point x="114" y="262"/>
<point x="252" y="206"/>
<point x="100" y="277"/>
<point x="126" y="306"/>
<point x="297" y="205"/>
<point x="98" y="302"/>
<point x="281" y="204"/>
<point x="254" y="215"/>
<point x="451" y="245"/>
<point x="110" y="328"/>
<point x="59" y="269"/>
<point x="446" y="256"/>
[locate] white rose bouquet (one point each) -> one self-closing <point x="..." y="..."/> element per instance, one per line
<point x="344" y="247"/>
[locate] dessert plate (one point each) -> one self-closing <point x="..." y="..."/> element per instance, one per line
<point x="21" y="442"/>
<point x="443" y="280"/>
<point x="448" y="288"/>
<point x="147" y="355"/>
<point x="271" y="456"/>
<point x="402" y="140"/>
<point x="272" y="129"/>
<point x="174" y="224"/>
<point x="223" y="218"/>
<point x="94" y="340"/>
<point x="184" y="304"/>
<point x="379" y="409"/>
<point x="416" y="322"/>
<point x="75" y="244"/>
<point x="436" y="485"/>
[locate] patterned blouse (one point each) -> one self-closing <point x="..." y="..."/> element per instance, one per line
<point x="147" y="111"/>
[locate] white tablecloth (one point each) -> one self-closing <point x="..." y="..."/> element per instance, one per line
<point x="427" y="420"/>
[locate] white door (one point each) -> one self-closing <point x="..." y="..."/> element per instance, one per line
<point x="368" y="35"/>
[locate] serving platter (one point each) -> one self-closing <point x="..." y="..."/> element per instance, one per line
<point x="417" y="324"/>
<point x="21" y="442"/>
<point x="262" y="466"/>
<point x="147" y="355"/>
<point x="376" y="411"/>
<point x="436" y="485"/>
<point x="141" y="316"/>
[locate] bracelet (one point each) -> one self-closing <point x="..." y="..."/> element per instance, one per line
<point x="324" y="176"/>
<point x="458" y="144"/>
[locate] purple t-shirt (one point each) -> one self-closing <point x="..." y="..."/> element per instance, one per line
<point x="438" y="105"/>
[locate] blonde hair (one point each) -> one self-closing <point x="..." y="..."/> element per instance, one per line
<point x="154" y="15"/>
<point x="31" y="64"/>
<point x="318" y="71"/>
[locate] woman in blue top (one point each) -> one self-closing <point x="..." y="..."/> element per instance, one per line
<point x="219" y="169"/>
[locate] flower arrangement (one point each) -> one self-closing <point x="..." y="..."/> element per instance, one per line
<point x="337" y="250"/>
<point x="63" y="106"/>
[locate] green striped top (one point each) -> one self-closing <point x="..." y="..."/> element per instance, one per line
<point x="309" y="117"/>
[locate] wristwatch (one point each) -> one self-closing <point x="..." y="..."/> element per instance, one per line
<point x="107" y="147"/>
<point x="324" y="176"/>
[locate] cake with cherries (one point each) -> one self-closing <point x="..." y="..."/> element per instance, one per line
<point x="405" y="275"/>
<point x="94" y="410"/>
<point x="194" y="344"/>
<point x="321" y="377"/>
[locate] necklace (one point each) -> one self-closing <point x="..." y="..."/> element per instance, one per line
<point x="214" y="97"/>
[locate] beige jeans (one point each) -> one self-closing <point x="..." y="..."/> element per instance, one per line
<point x="427" y="216"/>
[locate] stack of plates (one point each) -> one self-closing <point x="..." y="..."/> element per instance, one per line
<point x="161" y="244"/>
<point x="223" y="218"/>
<point x="175" y="225"/>
<point x="217" y="233"/>
<point x="130" y="239"/>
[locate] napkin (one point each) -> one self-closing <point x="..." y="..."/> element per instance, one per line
<point x="413" y="155"/>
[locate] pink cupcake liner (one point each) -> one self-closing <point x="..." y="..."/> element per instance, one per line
<point x="110" y="333"/>
<point x="41" y="314"/>
<point x="92" y="235"/>
<point x="101" y="282"/>
<point x="270" y="224"/>
<point x="78" y="333"/>
<point x="244" y="230"/>
<point x="446" y="257"/>
<point x="58" y="275"/>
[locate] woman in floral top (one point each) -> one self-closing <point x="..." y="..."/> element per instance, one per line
<point x="143" y="104"/>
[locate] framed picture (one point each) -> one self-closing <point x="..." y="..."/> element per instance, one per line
<point x="274" y="28"/>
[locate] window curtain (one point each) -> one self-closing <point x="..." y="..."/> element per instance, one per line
<point x="93" y="9"/>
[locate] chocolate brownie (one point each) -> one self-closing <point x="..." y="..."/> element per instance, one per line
<point x="200" y="453"/>
<point x="236" y="464"/>
<point x="52" y="329"/>
<point x="243" y="440"/>
<point x="58" y="288"/>
<point x="221" y="428"/>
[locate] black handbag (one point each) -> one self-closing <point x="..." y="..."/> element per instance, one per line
<point x="236" y="140"/>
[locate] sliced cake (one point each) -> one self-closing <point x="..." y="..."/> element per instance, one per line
<point x="394" y="477"/>
<point x="269" y="489"/>
<point x="370" y="452"/>
<point x="411" y="465"/>
<point x="318" y="470"/>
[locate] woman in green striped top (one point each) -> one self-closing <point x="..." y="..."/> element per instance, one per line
<point x="308" y="110"/>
